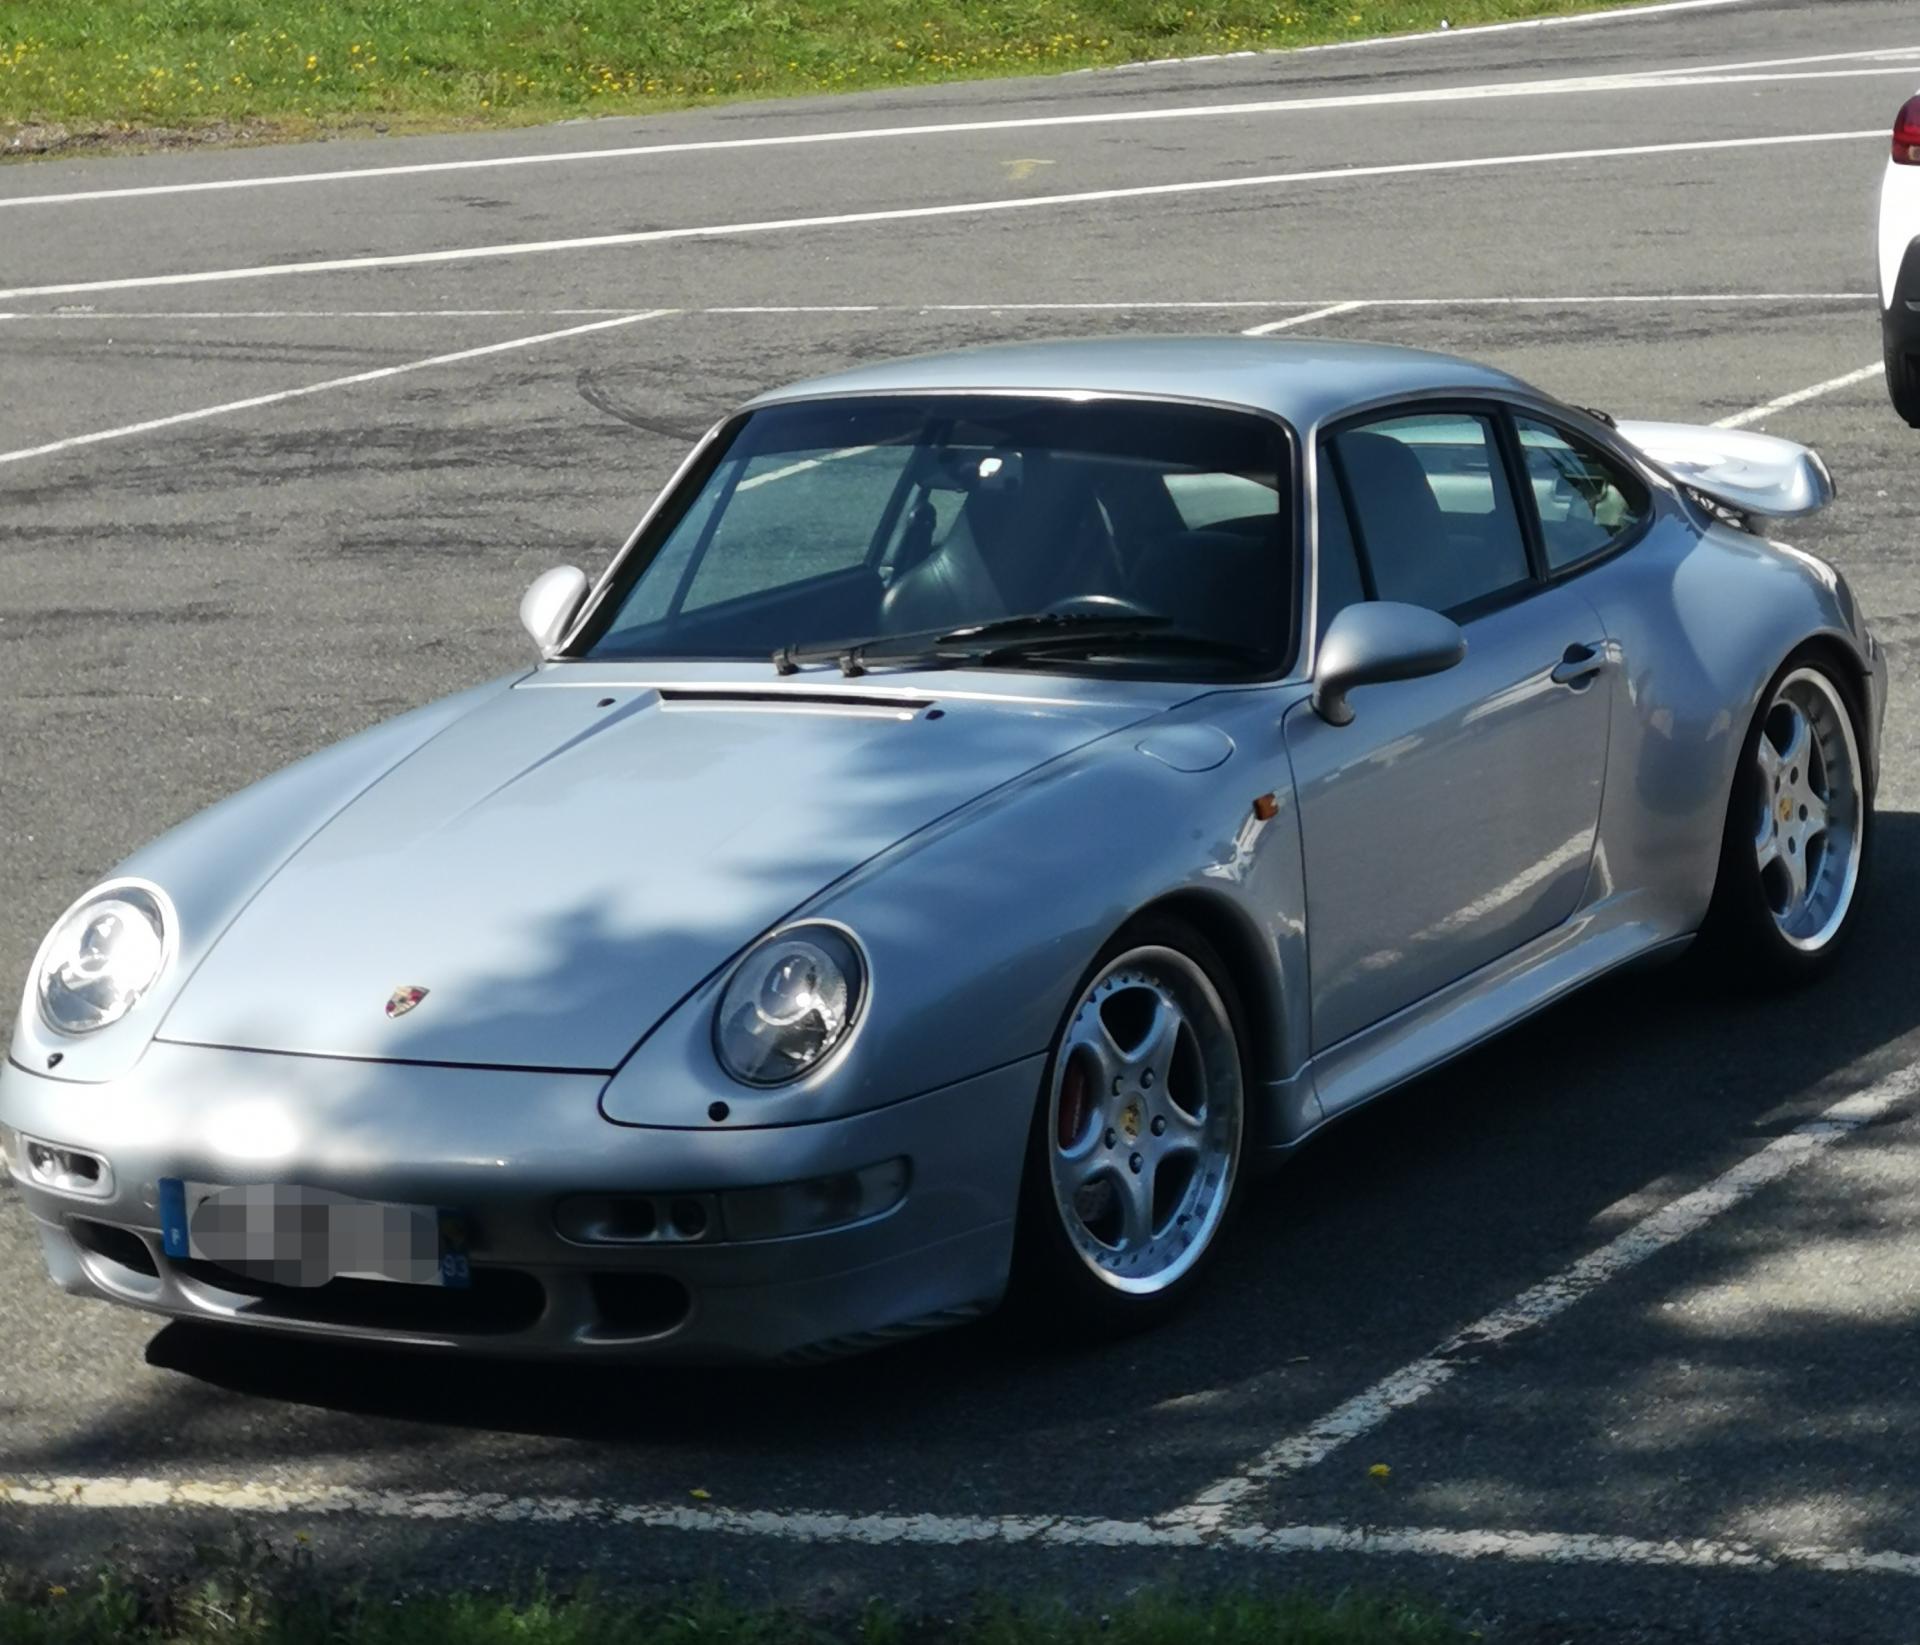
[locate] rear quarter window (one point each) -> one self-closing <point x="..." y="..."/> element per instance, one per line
<point x="1587" y="503"/>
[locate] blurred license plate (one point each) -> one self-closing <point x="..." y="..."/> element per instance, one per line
<point x="308" y="1236"/>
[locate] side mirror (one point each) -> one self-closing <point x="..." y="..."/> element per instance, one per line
<point x="1377" y="641"/>
<point x="550" y="604"/>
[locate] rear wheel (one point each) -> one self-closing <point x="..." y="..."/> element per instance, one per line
<point x="1137" y="1138"/>
<point x="1798" y="827"/>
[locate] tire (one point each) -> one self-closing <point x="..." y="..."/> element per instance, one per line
<point x="1903" y="381"/>
<point x="1116" y="1226"/>
<point x="1775" y="921"/>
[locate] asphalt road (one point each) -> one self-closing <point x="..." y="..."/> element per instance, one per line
<point x="184" y="608"/>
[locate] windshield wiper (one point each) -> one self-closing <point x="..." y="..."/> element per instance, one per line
<point x="1012" y="639"/>
<point x="1168" y="642"/>
<point x="967" y="644"/>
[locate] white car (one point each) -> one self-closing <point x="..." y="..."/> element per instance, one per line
<point x="1900" y="264"/>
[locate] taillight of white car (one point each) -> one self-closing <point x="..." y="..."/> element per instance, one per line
<point x="1906" y="134"/>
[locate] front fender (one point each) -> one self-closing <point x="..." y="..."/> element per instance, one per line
<point x="214" y="863"/>
<point x="978" y="929"/>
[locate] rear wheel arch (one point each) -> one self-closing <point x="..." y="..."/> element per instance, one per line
<point x="1850" y="671"/>
<point x="1728" y="930"/>
<point x="1833" y="654"/>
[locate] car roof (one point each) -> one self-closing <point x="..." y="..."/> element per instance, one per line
<point x="1305" y="381"/>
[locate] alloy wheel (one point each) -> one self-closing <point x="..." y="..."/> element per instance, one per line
<point x="1808" y="830"/>
<point x="1144" y="1120"/>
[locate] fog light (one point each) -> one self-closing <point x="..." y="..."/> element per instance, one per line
<point x="814" y="1205"/>
<point x="66" y="1170"/>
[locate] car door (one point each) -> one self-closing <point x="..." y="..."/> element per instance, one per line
<point x="1454" y="819"/>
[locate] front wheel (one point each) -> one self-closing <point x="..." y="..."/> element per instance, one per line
<point x="1137" y="1137"/>
<point x="1798" y="827"/>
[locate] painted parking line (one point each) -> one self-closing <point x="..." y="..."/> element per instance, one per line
<point x="1227" y="303"/>
<point x="959" y="208"/>
<point x="803" y="466"/>
<point x="1225" y="1500"/>
<point x="321" y="1502"/>
<point x="1616" y="14"/>
<point x="257" y="401"/>
<point x="1307" y="319"/>
<point x="616" y="319"/>
<point x="1800" y="396"/>
<point x="1115" y="305"/>
<point x="1884" y="61"/>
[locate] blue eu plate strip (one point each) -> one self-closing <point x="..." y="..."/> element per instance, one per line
<point x="456" y="1272"/>
<point x="173" y="1217"/>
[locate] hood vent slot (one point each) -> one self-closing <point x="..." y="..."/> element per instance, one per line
<point x="794" y="702"/>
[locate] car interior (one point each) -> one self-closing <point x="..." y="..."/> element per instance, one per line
<point x="975" y="533"/>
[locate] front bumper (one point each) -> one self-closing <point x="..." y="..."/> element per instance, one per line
<point x="506" y="1148"/>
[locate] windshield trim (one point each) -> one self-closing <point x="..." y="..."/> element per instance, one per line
<point x="684" y="488"/>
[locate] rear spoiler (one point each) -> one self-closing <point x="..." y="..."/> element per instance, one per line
<point x="1734" y="472"/>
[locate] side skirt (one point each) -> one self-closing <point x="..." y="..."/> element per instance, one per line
<point x="1597" y="941"/>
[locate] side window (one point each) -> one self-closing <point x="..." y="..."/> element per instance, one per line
<point x="773" y="534"/>
<point x="1585" y="501"/>
<point x="1435" y="513"/>
<point x="1340" y="584"/>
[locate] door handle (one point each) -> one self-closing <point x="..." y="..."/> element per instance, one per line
<point x="1579" y="665"/>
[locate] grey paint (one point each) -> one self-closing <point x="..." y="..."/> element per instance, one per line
<point x="1757" y="473"/>
<point x="571" y="877"/>
<point x="1375" y="642"/>
<point x="1453" y="820"/>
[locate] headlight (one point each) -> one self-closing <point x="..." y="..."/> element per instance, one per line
<point x="788" y="1004"/>
<point x="110" y="949"/>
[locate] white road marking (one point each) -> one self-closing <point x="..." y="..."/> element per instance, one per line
<point x="962" y="208"/>
<point x="1145" y="304"/>
<point x="1117" y="305"/>
<point x="932" y="1530"/>
<point x="1883" y="61"/>
<point x="1618" y="14"/>
<point x="802" y="466"/>
<point x="256" y="401"/>
<point x="1369" y="1409"/>
<point x="1872" y="54"/>
<point x="1307" y="319"/>
<point x="90" y="313"/>
<point x="1759" y="414"/>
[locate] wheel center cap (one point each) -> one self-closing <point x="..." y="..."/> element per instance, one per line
<point x="1786" y="807"/>
<point x="1132" y="1117"/>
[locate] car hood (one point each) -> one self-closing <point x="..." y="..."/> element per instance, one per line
<point x="557" y="869"/>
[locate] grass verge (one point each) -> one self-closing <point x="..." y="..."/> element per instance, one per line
<point x="256" y="1598"/>
<point x="85" y="73"/>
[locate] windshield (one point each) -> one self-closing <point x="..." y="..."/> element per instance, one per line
<point x="857" y="520"/>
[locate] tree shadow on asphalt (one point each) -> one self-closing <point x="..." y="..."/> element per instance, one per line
<point x="1392" y="1231"/>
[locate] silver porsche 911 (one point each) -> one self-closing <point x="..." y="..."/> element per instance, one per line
<point x="991" y="804"/>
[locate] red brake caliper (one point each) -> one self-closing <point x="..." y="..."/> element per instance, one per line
<point x="1073" y="1105"/>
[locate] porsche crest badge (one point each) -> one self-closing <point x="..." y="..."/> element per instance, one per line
<point x="403" y="1000"/>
